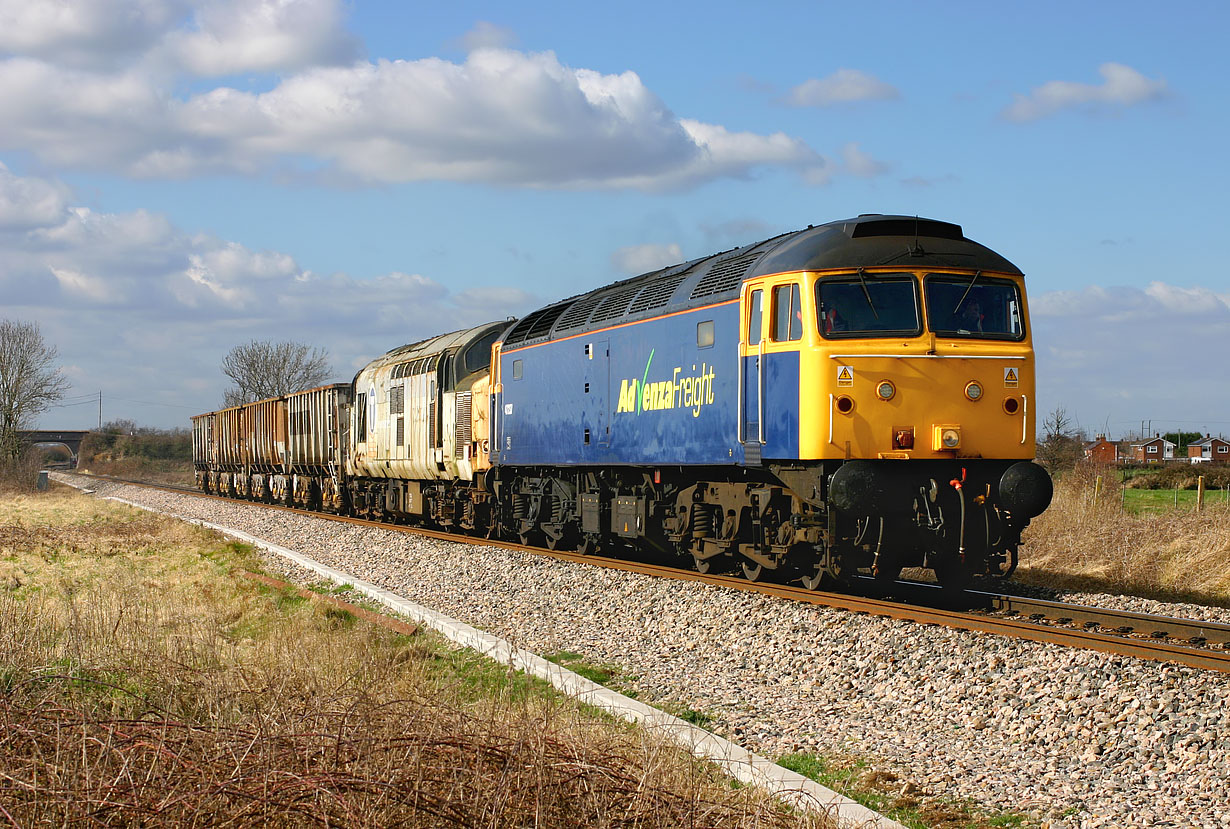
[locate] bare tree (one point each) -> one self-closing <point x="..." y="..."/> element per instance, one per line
<point x="30" y="382"/>
<point x="264" y="369"/>
<point x="1061" y="446"/>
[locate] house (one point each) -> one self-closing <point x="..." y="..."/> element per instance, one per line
<point x="1102" y="451"/>
<point x="1157" y="450"/>
<point x="1209" y="449"/>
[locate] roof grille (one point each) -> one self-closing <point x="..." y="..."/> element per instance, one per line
<point x="614" y="305"/>
<point x="578" y="313"/>
<point x="656" y="294"/>
<point x="537" y="324"/>
<point x="724" y="276"/>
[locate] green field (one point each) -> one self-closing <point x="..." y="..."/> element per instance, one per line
<point x="1162" y="500"/>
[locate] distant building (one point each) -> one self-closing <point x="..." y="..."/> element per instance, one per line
<point x="1102" y="451"/>
<point x="1157" y="450"/>
<point x="1210" y="449"/>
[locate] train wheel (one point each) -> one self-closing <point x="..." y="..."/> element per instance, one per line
<point x="565" y="541"/>
<point x="589" y="544"/>
<point x="704" y="566"/>
<point x="752" y="571"/>
<point x="812" y="579"/>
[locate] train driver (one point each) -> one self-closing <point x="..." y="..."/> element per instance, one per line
<point x="970" y="317"/>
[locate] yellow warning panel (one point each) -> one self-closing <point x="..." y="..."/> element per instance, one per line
<point x="1011" y="377"/>
<point x="845" y="376"/>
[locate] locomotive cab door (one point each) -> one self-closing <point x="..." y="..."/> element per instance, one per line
<point x="751" y="378"/>
<point x="771" y="338"/>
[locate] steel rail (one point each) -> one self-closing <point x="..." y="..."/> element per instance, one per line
<point x="1157" y="648"/>
<point x="1193" y="631"/>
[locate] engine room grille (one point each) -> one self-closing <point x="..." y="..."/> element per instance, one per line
<point x="401" y="432"/>
<point x="656" y="294"/>
<point x="576" y="315"/>
<point x="464" y="432"/>
<point x="614" y="305"/>
<point x="537" y="324"/>
<point x="724" y="276"/>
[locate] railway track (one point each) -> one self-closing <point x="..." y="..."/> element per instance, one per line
<point x="1195" y="643"/>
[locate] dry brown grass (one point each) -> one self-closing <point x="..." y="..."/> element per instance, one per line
<point x="150" y="470"/>
<point x="1083" y="542"/>
<point x="142" y="682"/>
<point x="20" y="474"/>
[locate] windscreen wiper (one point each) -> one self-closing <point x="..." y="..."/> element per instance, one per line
<point x="867" y="294"/>
<point x="957" y="307"/>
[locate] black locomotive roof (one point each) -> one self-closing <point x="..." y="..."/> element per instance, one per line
<point x="867" y="241"/>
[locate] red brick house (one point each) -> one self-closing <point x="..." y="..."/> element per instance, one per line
<point x="1210" y="449"/>
<point x="1102" y="451"/>
<point x="1157" y="450"/>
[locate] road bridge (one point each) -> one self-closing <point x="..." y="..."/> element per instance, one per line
<point x="65" y="437"/>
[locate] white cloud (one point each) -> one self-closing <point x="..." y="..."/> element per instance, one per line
<point x="91" y="288"/>
<point x="1131" y="353"/>
<point x="86" y="33"/>
<point x="486" y="35"/>
<point x="107" y="286"/>
<point x="924" y="181"/>
<point x="842" y="87"/>
<point x="235" y="36"/>
<point x="735" y="232"/>
<point x="637" y="259"/>
<point x="860" y="164"/>
<point x="27" y="203"/>
<point x="501" y="117"/>
<point x="1122" y="86"/>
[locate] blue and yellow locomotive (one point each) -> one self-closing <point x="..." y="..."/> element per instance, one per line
<point x="851" y="397"/>
<point x="855" y="397"/>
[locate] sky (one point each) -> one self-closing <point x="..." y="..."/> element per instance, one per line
<point x="178" y="177"/>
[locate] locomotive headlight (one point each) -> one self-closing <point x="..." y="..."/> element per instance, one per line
<point x="886" y="390"/>
<point x="973" y="390"/>
<point x="946" y="437"/>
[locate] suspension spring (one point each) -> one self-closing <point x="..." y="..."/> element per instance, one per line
<point x="702" y="521"/>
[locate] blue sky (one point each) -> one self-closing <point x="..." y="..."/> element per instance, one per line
<point x="181" y="176"/>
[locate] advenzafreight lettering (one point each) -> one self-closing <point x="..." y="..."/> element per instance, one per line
<point x="688" y="392"/>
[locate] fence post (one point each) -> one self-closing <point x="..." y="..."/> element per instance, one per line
<point x="1176" y="498"/>
<point x="1097" y="488"/>
<point x="1199" y="493"/>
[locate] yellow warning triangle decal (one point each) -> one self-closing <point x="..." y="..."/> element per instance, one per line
<point x="844" y="373"/>
<point x="1010" y="375"/>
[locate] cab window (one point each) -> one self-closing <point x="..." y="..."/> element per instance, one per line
<point x="787" y="314"/>
<point x="478" y="355"/>
<point x="974" y="306"/>
<point x="868" y="305"/>
<point x="754" y="333"/>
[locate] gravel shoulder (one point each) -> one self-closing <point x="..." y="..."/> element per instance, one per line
<point x="1072" y="738"/>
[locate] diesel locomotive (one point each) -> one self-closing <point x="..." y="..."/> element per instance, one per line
<point x="851" y="398"/>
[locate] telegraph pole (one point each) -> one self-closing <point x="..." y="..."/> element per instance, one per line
<point x="100" y="410"/>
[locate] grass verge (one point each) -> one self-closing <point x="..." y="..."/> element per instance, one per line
<point x="886" y="794"/>
<point x="1088" y="542"/>
<point x="143" y="681"/>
